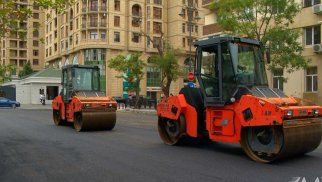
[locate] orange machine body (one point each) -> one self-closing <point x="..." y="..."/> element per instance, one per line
<point x="82" y="104"/>
<point x="224" y="123"/>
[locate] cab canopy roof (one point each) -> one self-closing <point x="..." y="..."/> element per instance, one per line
<point x="218" y="39"/>
<point x="79" y="66"/>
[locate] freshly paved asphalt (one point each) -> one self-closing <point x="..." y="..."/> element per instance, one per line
<point x="33" y="149"/>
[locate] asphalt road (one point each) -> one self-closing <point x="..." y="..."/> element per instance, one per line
<point x="33" y="149"/>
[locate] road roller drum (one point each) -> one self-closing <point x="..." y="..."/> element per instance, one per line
<point x="85" y="121"/>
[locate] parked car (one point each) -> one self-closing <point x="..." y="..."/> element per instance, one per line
<point x="4" y="102"/>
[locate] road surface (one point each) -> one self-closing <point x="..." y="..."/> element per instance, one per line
<point x="33" y="149"/>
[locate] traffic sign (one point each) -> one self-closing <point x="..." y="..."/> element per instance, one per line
<point x="191" y="77"/>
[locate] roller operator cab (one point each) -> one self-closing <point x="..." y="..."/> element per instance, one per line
<point x="234" y="104"/>
<point x="82" y="102"/>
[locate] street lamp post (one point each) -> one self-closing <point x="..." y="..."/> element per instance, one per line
<point x="190" y="10"/>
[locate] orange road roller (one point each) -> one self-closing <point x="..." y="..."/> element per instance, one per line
<point x="233" y="103"/>
<point x="81" y="102"/>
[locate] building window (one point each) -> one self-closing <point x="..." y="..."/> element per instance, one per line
<point x="312" y="79"/>
<point x="55" y="47"/>
<point x="71" y="40"/>
<point x="148" y="41"/>
<point x="35" y="43"/>
<point x="93" y="35"/>
<point x="55" y="34"/>
<point x="278" y="79"/>
<point x="117" y="37"/>
<point x="196" y="29"/>
<point x="116" y="21"/>
<point x="156" y="42"/>
<point x="312" y="35"/>
<point x="136" y="37"/>
<point x="152" y="75"/>
<point x="148" y="27"/>
<point x="36" y="33"/>
<point x="35" y="52"/>
<point x="183" y="42"/>
<point x="148" y="13"/>
<point x="157" y="27"/>
<point x="308" y="3"/>
<point x="157" y="13"/>
<point x="94" y="55"/>
<point x="103" y="35"/>
<point x="136" y="10"/>
<point x="35" y="62"/>
<point x="35" y="15"/>
<point x="76" y="39"/>
<point x="117" y="5"/>
<point x="183" y="27"/>
<point x="158" y="2"/>
<point x="136" y="22"/>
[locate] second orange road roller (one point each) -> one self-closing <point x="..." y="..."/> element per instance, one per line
<point x="81" y="102"/>
<point x="233" y="103"/>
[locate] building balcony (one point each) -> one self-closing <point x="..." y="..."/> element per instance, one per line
<point x="206" y="3"/>
<point x="211" y="29"/>
<point x="91" y="25"/>
<point x="94" y="9"/>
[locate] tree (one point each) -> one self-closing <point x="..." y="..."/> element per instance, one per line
<point x="167" y="62"/>
<point x="12" y="14"/>
<point x="5" y="72"/>
<point x="267" y="21"/>
<point x="27" y="70"/>
<point x="131" y="67"/>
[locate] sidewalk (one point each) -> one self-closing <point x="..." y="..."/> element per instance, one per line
<point x="48" y="107"/>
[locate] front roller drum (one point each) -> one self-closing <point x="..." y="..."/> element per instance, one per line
<point x="270" y="143"/>
<point x="84" y="121"/>
<point x="171" y="131"/>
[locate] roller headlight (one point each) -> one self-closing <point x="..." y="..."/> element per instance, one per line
<point x="289" y="113"/>
<point x="316" y="112"/>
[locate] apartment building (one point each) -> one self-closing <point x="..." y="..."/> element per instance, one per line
<point x="94" y="31"/>
<point x="305" y="84"/>
<point x="18" y="50"/>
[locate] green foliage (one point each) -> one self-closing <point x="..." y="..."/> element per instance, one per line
<point x="5" y="72"/>
<point x="131" y="67"/>
<point x="268" y="22"/>
<point x="167" y="62"/>
<point x="11" y="15"/>
<point x="27" y="70"/>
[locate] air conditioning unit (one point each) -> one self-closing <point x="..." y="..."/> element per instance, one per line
<point x="317" y="9"/>
<point x="317" y="48"/>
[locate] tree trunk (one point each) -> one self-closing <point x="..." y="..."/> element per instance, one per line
<point x="166" y="87"/>
<point x="137" y="93"/>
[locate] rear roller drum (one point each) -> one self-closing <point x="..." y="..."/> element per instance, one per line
<point x="171" y="131"/>
<point x="57" y="118"/>
<point x="262" y="143"/>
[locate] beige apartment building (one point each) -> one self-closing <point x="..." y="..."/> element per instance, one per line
<point x="18" y="51"/>
<point x="305" y="84"/>
<point x="94" y="31"/>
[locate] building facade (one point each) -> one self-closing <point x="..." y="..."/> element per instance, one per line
<point x="17" y="50"/>
<point x="94" y="31"/>
<point x="303" y="84"/>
